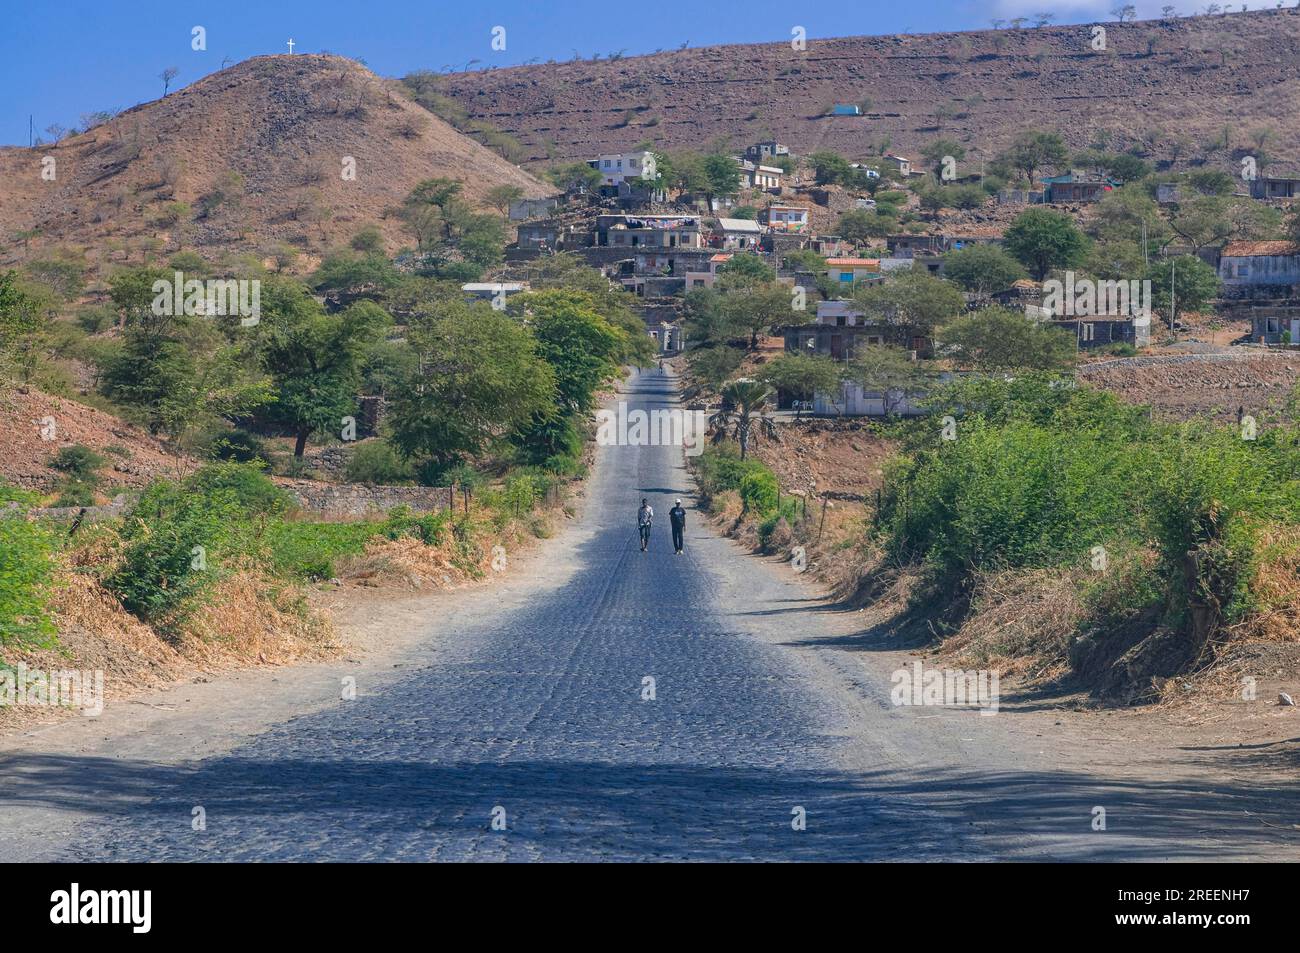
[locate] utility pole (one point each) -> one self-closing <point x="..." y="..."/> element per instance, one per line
<point x="1173" y="296"/>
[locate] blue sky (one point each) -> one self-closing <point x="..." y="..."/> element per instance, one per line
<point x="62" y="58"/>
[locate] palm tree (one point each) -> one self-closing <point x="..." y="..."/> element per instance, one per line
<point x="746" y="398"/>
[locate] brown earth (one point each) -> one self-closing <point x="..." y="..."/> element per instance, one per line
<point x="135" y="458"/>
<point x="1156" y="81"/>
<point x="843" y="458"/>
<point x="1205" y="385"/>
<point x="284" y="123"/>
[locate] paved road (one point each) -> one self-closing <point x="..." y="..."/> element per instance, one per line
<point x="541" y="713"/>
<point x="533" y="703"/>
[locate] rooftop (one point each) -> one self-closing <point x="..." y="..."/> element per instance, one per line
<point x="1252" y="249"/>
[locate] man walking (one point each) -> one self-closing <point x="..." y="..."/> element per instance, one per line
<point x="677" y="519"/>
<point x="643" y="517"/>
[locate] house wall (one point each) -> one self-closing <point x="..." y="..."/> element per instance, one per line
<point x="1260" y="270"/>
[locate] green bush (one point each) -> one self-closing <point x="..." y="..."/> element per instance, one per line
<point x="181" y="536"/>
<point x="246" y="486"/>
<point x="429" y="528"/>
<point x="310" y="550"/>
<point x="759" y="491"/>
<point x="377" y="463"/>
<point x="1041" y="472"/>
<point x="719" y="469"/>
<point x="237" y="446"/>
<point x="26" y="572"/>
<point x="78" y="462"/>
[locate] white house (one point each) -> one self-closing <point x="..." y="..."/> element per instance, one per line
<point x="1260" y="263"/>
<point x="620" y="166"/>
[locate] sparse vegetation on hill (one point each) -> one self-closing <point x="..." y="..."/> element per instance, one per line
<point x="1206" y="88"/>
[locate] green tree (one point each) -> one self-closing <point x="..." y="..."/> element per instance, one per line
<point x="753" y="308"/>
<point x="314" y="359"/>
<point x="722" y="176"/>
<point x="802" y="375"/>
<point x="501" y="197"/>
<point x="25" y="318"/>
<point x="1031" y="151"/>
<point x="1042" y="239"/>
<point x="889" y="370"/>
<point x="914" y="300"/>
<point x="478" y="379"/>
<point x="574" y="176"/>
<point x="998" y="339"/>
<point x="745" y="269"/>
<point x="1128" y="214"/>
<point x="580" y="345"/>
<point x="745" y="417"/>
<point x="860" y="225"/>
<point x="1180" y="284"/>
<point x="714" y="366"/>
<point x="935" y="152"/>
<point x="982" y="269"/>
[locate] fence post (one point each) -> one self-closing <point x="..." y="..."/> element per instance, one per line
<point x="822" y="524"/>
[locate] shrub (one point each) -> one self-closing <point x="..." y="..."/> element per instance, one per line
<point x="376" y="462"/>
<point x="310" y="550"/>
<point x="26" y="571"/>
<point x="429" y="528"/>
<point x="80" y="463"/>
<point x="243" y="484"/>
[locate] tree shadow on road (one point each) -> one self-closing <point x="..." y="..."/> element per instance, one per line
<point x="304" y="809"/>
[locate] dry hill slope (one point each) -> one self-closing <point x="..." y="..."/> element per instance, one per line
<point x="1156" y="81"/>
<point x="283" y="123"/>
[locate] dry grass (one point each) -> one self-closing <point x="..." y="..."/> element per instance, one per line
<point x="1020" y="623"/>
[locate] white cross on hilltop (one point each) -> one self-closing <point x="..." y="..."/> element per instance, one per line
<point x="290" y="44"/>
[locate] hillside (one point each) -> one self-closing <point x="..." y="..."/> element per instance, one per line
<point x="1158" y="83"/>
<point x="284" y="124"/>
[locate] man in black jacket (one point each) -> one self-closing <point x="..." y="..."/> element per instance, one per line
<point x="677" y="517"/>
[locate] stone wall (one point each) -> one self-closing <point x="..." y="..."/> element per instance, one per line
<point x="89" y="514"/>
<point x="357" y="500"/>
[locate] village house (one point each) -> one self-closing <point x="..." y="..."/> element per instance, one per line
<point x="552" y="235"/>
<point x="1246" y="266"/>
<point x="1076" y="187"/>
<point x="650" y="231"/>
<point x="839" y="327"/>
<point x="903" y="165"/>
<point x="785" y="218"/>
<point x="1275" y="187"/>
<point x="524" y="209"/>
<point x="737" y="234"/>
<point x="764" y="177"/>
<point x="1101" y="330"/>
<point x="707" y="277"/>
<point x="965" y="236"/>
<point x="846" y="272"/>
<point x="763" y="151"/>
<point x="837" y="330"/>
<point x="619" y="166"/>
<point x="494" y="292"/>
<point x="915" y="246"/>
<point x="1275" y="326"/>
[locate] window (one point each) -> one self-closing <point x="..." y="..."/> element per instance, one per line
<point x="846" y="276"/>
<point x="1085" y="332"/>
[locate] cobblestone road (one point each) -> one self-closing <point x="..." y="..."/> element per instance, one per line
<point x="540" y="717"/>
